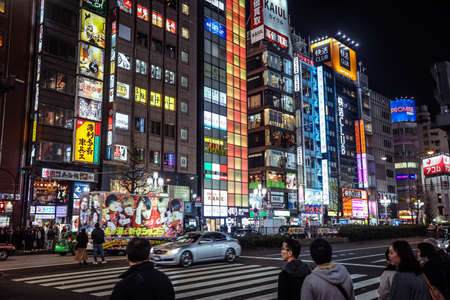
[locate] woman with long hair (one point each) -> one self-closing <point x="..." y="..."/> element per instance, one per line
<point x="409" y="282"/>
<point x="386" y="278"/>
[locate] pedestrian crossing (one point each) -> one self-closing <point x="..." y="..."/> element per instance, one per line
<point x="200" y="282"/>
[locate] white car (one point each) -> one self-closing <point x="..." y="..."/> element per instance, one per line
<point x="196" y="247"/>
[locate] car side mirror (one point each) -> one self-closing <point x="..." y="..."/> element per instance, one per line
<point x="204" y="241"/>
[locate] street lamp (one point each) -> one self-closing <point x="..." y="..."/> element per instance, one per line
<point x="259" y="194"/>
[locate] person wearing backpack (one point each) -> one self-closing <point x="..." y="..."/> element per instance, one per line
<point x="328" y="280"/>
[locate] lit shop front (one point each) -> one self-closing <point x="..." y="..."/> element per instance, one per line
<point x="6" y="211"/>
<point x="55" y="196"/>
<point x="354" y="206"/>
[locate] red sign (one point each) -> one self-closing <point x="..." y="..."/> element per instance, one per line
<point x="276" y="37"/>
<point x="256" y="12"/>
<point x="306" y="60"/>
<point x="436" y="165"/>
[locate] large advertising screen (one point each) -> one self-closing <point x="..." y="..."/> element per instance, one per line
<point x="354" y="203"/>
<point x="403" y="110"/>
<point x="87" y="141"/>
<point x="89" y="109"/>
<point x="93" y="28"/>
<point x="436" y="165"/>
<point x="89" y="88"/>
<point x="91" y="61"/>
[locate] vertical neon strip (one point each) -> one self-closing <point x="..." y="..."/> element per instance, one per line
<point x="323" y="133"/>
<point x="363" y="154"/>
<point x="325" y="187"/>
<point x="358" y="154"/>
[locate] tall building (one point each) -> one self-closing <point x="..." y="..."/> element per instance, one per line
<point x="114" y="102"/>
<point x="271" y="113"/>
<point x="430" y="139"/>
<point x="406" y="156"/>
<point x="343" y="144"/>
<point x="441" y="76"/>
<point x="383" y="152"/>
<point x="222" y="106"/>
<point x="16" y="35"/>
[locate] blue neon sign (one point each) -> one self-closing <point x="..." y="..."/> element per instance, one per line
<point x="215" y="27"/>
<point x="403" y="110"/>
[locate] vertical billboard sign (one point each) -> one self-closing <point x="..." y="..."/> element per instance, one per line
<point x="323" y="132"/>
<point x="87" y="141"/>
<point x="364" y="154"/>
<point x="93" y="28"/>
<point x="358" y="155"/>
<point x="325" y="184"/>
<point x="341" y="124"/>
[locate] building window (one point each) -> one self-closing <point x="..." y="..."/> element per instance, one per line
<point x="183" y="161"/>
<point x="156" y="128"/>
<point x="155" y="157"/>
<point x="140" y="155"/>
<point x="156" y="72"/>
<point x="169" y="131"/>
<point x="155" y="99"/>
<point x="60" y="47"/>
<point x="185" y="82"/>
<point x="55" y="116"/>
<point x="157" y="19"/>
<point x="169" y="160"/>
<point x="156" y="45"/>
<point x="169" y="103"/>
<point x="57" y="81"/>
<point x="56" y="152"/>
<point x="185" y="32"/>
<point x="60" y="15"/>
<point x="184" y="134"/>
<point x="185" y="9"/>
<point x="171" y="51"/>
<point x="185" y="57"/>
<point x="3" y="7"/>
<point x="254" y="101"/>
<point x="171" y="26"/>
<point x="140" y="95"/>
<point x="184" y="107"/>
<point x="169" y="77"/>
<point x="1" y="39"/>
<point x="141" y="67"/>
<point x="124" y="32"/>
<point x="142" y="39"/>
<point x="139" y="124"/>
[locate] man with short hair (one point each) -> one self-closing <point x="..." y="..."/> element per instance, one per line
<point x="328" y="280"/>
<point x="142" y="280"/>
<point x="293" y="273"/>
<point x="98" y="238"/>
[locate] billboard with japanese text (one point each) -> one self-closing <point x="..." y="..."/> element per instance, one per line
<point x="87" y="141"/>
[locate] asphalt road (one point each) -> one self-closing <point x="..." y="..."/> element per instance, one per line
<point x="253" y="276"/>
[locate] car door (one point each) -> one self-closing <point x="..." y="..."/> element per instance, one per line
<point x="204" y="249"/>
<point x="220" y="244"/>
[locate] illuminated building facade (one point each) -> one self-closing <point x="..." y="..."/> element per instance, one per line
<point x="222" y="128"/>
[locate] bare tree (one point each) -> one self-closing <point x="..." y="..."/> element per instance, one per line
<point x="133" y="178"/>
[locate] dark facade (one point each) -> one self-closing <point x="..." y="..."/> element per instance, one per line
<point x="15" y="38"/>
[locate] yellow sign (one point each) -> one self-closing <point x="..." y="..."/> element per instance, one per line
<point x="87" y="141"/>
<point x="93" y="28"/>
<point x="336" y="55"/>
<point x="123" y="90"/>
<point x="91" y="61"/>
<point x="140" y="95"/>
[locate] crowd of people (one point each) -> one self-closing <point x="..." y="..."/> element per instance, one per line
<point x="33" y="239"/>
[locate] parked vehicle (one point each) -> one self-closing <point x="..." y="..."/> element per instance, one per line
<point x="6" y="250"/>
<point x="196" y="247"/>
<point x="66" y="244"/>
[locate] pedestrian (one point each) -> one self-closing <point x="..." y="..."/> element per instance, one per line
<point x="82" y="241"/>
<point x="3" y="236"/>
<point x="142" y="278"/>
<point x="408" y="282"/>
<point x="293" y="274"/>
<point x="434" y="269"/>
<point x="51" y="236"/>
<point x="386" y="279"/>
<point x="41" y="238"/>
<point x="328" y="280"/>
<point x="98" y="238"/>
<point x="28" y="239"/>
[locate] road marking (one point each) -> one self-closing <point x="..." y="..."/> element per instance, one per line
<point x="242" y="292"/>
<point x="270" y="296"/>
<point x="378" y="261"/>
<point x="356" y="276"/>
<point x="230" y="286"/>
<point x="357" y="257"/>
<point x="373" y="294"/>
<point x="365" y="283"/>
<point x="242" y="269"/>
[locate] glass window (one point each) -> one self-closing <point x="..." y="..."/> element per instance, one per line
<point x="185" y="9"/>
<point x="169" y="77"/>
<point x="185" y="56"/>
<point x="50" y="151"/>
<point x="169" y="130"/>
<point x="139" y="124"/>
<point x="141" y="67"/>
<point x="254" y="101"/>
<point x="185" y="32"/>
<point x="184" y="107"/>
<point x="184" y="134"/>
<point x="272" y="79"/>
<point x="156" y="45"/>
<point x="3" y="6"/>
<point x="157" y="19"/>
<point x="287" y="103"/>
<point x="142" y="39"/>
<point x="156" y="72"/>
<point x="288" y="85"/>
<point x="169" y="103"/>
<point x="140" y="154"/>
<point x="185" y="82"/>
<point x="124" y="32"/>
<point x="55" y="116"/>
<point x="155" y="99"/>
<point x="156" y="128"/>
<point x="254" y="121"/>
<point x="57" y="81"/>
<point x="171" y="51"/>
<point x="287" y="66"/>
<point x="272" y="60"/>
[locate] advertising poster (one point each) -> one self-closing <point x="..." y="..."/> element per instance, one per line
<point x="123" y="61"/>
<point x="121" y="121"/>
<point x="143" y="13"/>
<point x="140" y="95"/>
<point x="120" y="152"/>
<point x="122" y="90"/>
<point x="97" y="6"/>
<point x="91" y="61"/>
<point x="403" y="110"/>
<point x="344" y="58"/>
<point x="215" y="27"/>
<point x="79" y="188"/>
<point x="136" y="215"/>
<point x="157" y="19"/>
<point x="125" y="5"/>
<point x="87" y="141"/>
<point x="88" y="88"/>
<point x="89" y="109"/>
<point x="171" y="26"/>
<point x="436" y="165"/>
<point x="93" y="28"/>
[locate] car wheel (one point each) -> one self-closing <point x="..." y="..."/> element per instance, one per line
<point x="3" y="255"/>
<point x="230" y="255"/>
<point x="186" y="259"/>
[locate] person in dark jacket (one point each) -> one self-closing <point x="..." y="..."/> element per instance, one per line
<point x="98" y="238"/>
<point x="408" y="282"/>
<point x="82" y="241"/>
<point x="434" y="267"/>
<point x="294" y="272"/>
<point x="142" y="278"/>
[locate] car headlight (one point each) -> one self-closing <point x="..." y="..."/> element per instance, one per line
<point x="174" y="251"/>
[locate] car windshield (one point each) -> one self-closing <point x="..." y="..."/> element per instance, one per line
<point x="188" y="238"/>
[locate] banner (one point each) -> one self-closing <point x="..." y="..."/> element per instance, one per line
<point x="87" y="141"/>
<point x="91" y="61"/>
<point x="93" y="28"/>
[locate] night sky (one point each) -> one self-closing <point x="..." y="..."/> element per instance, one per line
<point x="399" y="41"/>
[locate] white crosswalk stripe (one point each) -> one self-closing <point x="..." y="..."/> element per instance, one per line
<point x="202" y="282"/>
